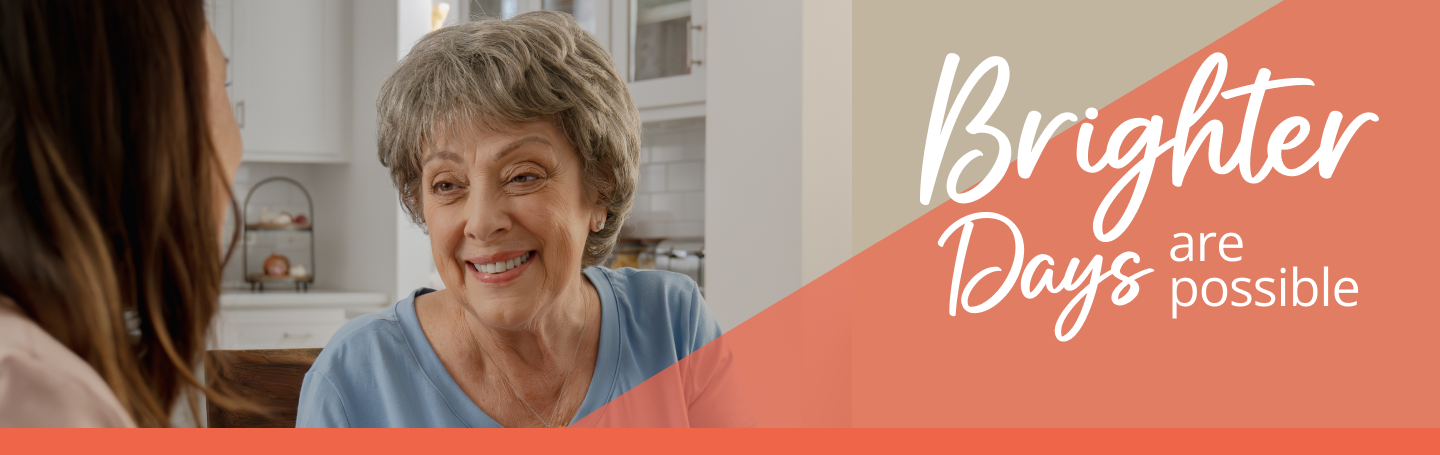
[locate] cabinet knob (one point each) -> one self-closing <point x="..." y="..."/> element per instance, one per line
<point x="298" y="335"/>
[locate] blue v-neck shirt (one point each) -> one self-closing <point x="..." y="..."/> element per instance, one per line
<point x="379" y="370"/>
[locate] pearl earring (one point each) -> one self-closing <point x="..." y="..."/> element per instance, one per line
<point x="602" y="226"/>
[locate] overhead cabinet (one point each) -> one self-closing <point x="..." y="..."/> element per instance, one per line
<point x="287" y="77"/>
<point x="658" y="45"/>
<point x="664" y="51"/>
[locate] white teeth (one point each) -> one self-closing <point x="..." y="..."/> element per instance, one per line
<point x="502" y="266"/>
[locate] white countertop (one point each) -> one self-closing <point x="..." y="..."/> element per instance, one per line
<point x="312" y="299"/>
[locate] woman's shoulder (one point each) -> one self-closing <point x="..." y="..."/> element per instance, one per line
<point x="650" y="287"/>
<point x="375" y="372"/>
<point x="655" y="299"/>
<point x="648" y="280"/>
<point x="366" y="342"/>
<point x="43" y="384"/>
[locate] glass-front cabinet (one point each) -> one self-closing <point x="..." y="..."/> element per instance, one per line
<point x="661" y="39"/>
<point x="593" y="15"/>
<point x="659" y="45"/>
<point x="665" y="53"/>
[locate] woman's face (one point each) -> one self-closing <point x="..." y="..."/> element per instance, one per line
<point x="508" y="215"/>
<point x="224" y="132"/>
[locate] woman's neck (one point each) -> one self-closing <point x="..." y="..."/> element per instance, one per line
<point x="545" y="345"/>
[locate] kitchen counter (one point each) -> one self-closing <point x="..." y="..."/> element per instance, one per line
<point x="373" y="301"/>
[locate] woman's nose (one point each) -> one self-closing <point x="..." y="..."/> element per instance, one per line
<point x="486" y="219"/>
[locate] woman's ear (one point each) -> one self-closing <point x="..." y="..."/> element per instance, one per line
<point x="598" y="218"/>
<point x="598" y="212"/>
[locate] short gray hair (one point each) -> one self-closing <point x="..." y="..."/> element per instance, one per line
<point x="538" y="66"/>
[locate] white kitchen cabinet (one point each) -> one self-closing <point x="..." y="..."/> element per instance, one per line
<point x="278" y="329"/>
<point x="664" y="53"/>
<point x="289" y="83"/>
<point x="288" y="320"/>
<point x="658" y="45"/>
<point x="593" y="15"/>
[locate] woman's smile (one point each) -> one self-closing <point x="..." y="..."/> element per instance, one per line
<point x="501" y="268"/>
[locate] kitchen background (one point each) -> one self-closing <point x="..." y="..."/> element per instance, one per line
<point x="745" y="154"/>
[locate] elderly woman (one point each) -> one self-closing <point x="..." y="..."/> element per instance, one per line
<point x="515" y="144"/>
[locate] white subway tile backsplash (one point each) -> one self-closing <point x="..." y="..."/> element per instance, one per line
<point x="641" y="204"/>
<point x="667" y="206"/>
<point x="686" y="176"/>
<point x="668" y="147"/>
<point x="693" y="206"/>
<point x="670" y="198"/>
<point x="695" y="146"/>
<point x="680" y="229"/>
<point x="648" y="230"/>
<point x="652" y="178"/>
<point x="636" y="224"/>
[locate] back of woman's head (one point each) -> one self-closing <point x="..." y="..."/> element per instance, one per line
<point x="108" y="211"/>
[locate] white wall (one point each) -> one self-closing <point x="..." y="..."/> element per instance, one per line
<point x="358" y="195"/>
<point x="752" y="143"/>
<point x="777" y="150"/>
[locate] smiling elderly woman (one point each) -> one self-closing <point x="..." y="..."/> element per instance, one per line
<point x="515" y="144"/>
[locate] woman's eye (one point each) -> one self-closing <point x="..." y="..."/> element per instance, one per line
<point x="525" y="178"/>
<point x="444" y="187"/>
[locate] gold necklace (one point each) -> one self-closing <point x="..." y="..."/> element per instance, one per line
<point x="513" y="392"/>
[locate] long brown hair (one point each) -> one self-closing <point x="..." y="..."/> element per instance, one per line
<point x="108" y="233"/>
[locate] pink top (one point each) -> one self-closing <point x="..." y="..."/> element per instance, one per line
<point x="44" y="384"/>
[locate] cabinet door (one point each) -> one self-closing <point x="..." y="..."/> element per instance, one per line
<point x="277" y="329"/>
<point x="592" y="15"/>
<point x="665" y="56"/>
<point x="288" y="87"/>
<point x="222" y="23"/>
<point x="501" y="9"/>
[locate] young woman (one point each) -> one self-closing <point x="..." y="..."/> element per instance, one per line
<point x="117" y="147"/>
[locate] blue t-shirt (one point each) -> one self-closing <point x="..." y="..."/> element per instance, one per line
<point x="379" y="370"/>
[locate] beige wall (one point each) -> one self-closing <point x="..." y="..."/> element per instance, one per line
<point x="1063" y="56"/>
<point x="825" y="158"/>
<point x="816" y="113"/>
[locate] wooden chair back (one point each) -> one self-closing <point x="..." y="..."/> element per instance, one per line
<point x="270" y="378"/>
